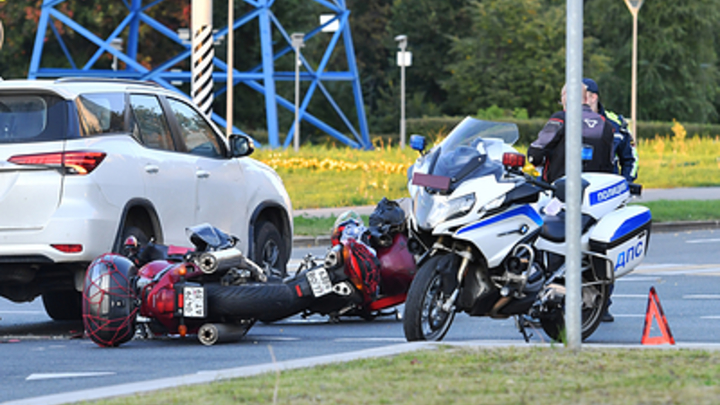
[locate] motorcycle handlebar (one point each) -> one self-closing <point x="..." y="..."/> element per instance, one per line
<point x="533" y="180"/>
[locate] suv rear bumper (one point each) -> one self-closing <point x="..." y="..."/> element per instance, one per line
<point x="96" y="235"/>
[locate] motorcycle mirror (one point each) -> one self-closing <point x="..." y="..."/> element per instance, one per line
<point x="417" y="142"/>
<point x="513" y="160"/>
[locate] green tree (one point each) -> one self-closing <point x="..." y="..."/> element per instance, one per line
<point x="677" y="57"/>
<point x="430" y="26"/>
<point x="514" y="57"/>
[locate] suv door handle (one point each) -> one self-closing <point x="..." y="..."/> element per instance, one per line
<point x="152" y="169"/>
<point x="202" y="174"/>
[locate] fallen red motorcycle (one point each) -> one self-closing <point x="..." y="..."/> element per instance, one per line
<point x="215" y="292"/>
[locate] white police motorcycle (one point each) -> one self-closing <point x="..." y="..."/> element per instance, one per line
<point x="492" y="238"/>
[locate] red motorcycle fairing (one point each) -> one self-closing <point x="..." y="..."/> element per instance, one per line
<point x="159" y="299"/>
<point x="397" y="266"/>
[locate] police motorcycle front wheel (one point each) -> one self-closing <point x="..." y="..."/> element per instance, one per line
<point x="424" y="317"/>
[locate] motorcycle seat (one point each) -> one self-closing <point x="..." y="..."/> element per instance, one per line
<point x="553" y="228"/>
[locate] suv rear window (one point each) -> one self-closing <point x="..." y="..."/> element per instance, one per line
<point x="32" y="118"/>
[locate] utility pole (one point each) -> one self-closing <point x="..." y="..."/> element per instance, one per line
<point x="573" y="169"/>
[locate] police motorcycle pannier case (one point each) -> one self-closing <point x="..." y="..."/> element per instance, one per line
<point x="621" y="238"/>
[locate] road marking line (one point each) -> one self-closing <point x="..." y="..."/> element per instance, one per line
<point x="703" y="240"/>
<point x="701" y="297"/>
<point x="370" y="339"/>
<point x="49" y="376"/>
<point x="277" y="338"/>
<point x="643" y="279"/>
<point x="22" y="312"/>
<point x="710" y="317"/>
<point x="302" y="321"/>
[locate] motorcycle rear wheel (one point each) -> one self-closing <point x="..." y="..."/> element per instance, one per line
<point x="592" y="313"/>
<point x="424" y="318"/>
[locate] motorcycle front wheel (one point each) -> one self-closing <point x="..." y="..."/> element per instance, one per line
<point x="594" y="301"/>
<point x="424" y="318"/>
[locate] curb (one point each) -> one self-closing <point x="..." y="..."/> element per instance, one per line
<point x="311" y="241"/>
<point x="684" y="226"/>
<point x="324" y="240"/>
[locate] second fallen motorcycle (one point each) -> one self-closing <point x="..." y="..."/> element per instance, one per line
<point x="215" y="292"/>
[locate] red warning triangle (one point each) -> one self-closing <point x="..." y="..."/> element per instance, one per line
<point x="655" y="311"/>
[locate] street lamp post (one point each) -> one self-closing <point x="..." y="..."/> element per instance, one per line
<point x="404" y="59"/>
<point x="230" y="68"/>
<point x="116" y="44"/>
<point x="634" y="7"/>
<point x="298" y="41"/>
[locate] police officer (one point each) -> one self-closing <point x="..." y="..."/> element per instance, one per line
<point x="625" y="158"/>
<point x="548" y="151"/>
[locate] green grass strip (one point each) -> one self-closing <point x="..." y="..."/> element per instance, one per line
<point x="522" y="375"/>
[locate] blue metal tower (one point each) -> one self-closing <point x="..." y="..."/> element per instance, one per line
<point x="261" y="78"/>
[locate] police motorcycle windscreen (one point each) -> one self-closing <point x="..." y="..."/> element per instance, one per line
<point x="473" y="149"/>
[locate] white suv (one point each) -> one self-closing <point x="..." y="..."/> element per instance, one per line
<point x="86" y="162"/>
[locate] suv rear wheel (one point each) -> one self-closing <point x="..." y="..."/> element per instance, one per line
<point x="269" y="250"/>
<point x="63" y="305"/>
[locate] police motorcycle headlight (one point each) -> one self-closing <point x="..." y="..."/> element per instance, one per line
<point x="496" y="203"/>
<point x="447" y="209"/>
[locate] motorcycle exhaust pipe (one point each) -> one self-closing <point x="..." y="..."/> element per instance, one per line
<point x="334" y="258"/>
<point x="212" y="262"/>
<point x="211" y="333"/>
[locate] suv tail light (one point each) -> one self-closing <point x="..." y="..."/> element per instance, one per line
<point x="76" y="162"/>
<point x="68" y="248"/>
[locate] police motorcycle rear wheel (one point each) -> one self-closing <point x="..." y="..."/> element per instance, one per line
<point x="594" y="300"/>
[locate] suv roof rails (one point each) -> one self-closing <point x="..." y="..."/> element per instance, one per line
<point x="105" y="80"/>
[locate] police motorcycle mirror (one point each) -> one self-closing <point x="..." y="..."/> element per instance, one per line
<point x="417" y="142"/>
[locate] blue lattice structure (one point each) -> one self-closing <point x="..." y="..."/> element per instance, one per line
<point x="261" y="78"/>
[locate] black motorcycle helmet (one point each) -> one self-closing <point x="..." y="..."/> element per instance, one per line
<point x="109" y="309"/>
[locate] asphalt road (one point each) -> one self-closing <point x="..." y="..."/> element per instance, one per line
<point x="41" y="357"/>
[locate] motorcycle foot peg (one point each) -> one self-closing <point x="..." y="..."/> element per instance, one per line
<point x="211" y="333"/>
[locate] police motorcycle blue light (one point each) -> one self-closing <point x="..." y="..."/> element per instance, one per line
<point x="608" y="193"/>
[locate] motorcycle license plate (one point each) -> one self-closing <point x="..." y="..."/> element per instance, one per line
<point x="319" y="282"/>
<point x="194" y="302"/>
